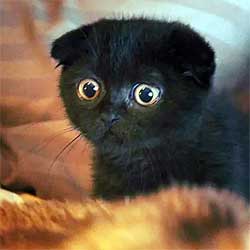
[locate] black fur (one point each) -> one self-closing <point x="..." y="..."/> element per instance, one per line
<point x="180" y="139"/>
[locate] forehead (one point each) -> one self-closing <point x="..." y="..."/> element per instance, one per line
<point x="120" y="48"/>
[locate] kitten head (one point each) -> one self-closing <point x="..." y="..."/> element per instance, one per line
<point x="133" y="80"/>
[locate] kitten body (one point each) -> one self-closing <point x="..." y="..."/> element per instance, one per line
<point x="182" y="138"/>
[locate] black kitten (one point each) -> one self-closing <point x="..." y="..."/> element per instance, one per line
<point x="138" y="90"/>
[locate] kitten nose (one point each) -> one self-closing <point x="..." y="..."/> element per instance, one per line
<point x="113" y="119"/>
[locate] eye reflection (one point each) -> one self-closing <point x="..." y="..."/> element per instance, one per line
<point x="146" y="95"/>
<point x="88" y="89"/>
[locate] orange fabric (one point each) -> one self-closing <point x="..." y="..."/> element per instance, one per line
<point x="33" y="125"/>
<point x="177" y="218"/>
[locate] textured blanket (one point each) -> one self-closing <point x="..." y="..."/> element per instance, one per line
<point x="177" y="218"/>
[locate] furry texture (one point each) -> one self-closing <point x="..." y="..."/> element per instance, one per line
<point x="184" y="138"/>
<point x="178" y="218"/>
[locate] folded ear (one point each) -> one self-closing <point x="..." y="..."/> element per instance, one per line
<point x="71" y="46"/>
<point x="191" y="54"/>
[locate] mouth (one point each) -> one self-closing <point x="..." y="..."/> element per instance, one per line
<point x="114" y="136"/>
<point x="110" y="133"/>
<point x="105" y="135"/>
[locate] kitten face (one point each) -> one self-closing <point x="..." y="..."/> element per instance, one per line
<point x="132" y="80"/>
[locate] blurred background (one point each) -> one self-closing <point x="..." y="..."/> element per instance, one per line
<point x="34" y="131"/>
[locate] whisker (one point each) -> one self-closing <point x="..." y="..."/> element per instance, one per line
<point x="39" y="147"/>
<point x="63" y="149"/>
<point x="60" y="153"/>
<point x="74" y="143"/>
<point x="49" y="139"/>
<point x="73" y="181"/>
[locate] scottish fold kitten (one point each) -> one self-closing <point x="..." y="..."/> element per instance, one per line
<point x="138" y="89"/>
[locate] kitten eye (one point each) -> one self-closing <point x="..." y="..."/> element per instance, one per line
<point x="88" y="89"/>
<point x="146" y="95"/>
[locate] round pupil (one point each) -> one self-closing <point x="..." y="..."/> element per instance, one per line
<point x="146" y="94"/>
<point x="90" y="89"/>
